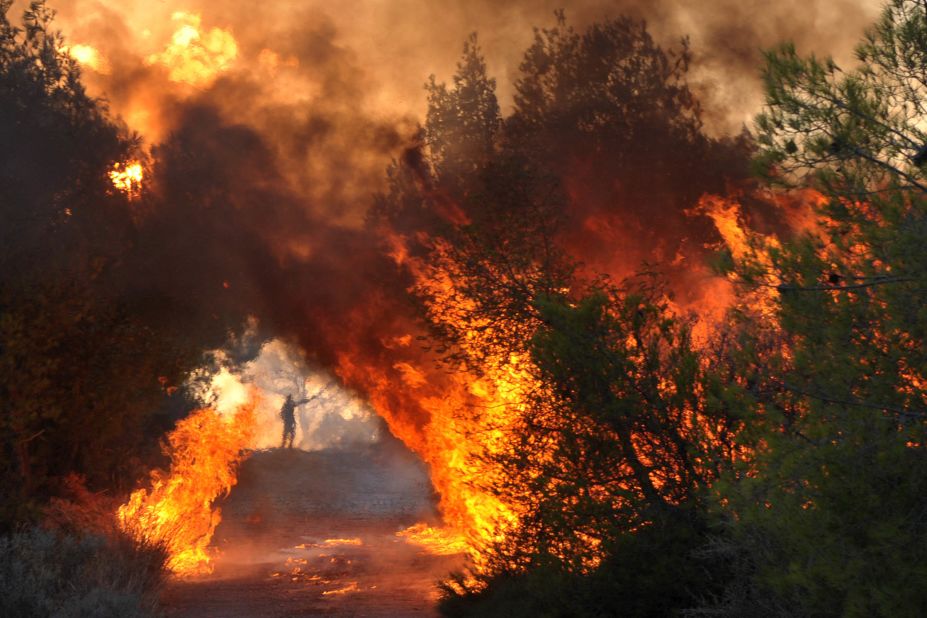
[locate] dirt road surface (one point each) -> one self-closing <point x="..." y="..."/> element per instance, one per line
<point x="314" y="534"/>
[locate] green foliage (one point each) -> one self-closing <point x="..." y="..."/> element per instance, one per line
<point x="635" y="426"/>
<point x="44" y="574"/>
<point x="462" y="123"/>
<point x="826" y="517"/>
<point x="829" y="518"/>
<point x="612" y="458"/>
<point x="614" y="438"/>
<point x="854" y="132"/>
<point x="651" y="572"/>
<point x="82" y="369"/>
<point x="828" y="529"/>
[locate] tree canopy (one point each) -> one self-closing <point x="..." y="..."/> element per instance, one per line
<point x="831" y="524"/>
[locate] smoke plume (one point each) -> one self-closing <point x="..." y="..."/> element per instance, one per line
<point x="267" y="128"/>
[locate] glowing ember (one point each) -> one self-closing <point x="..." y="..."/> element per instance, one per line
<point x="194" y="56"/>
<point x="128" y="178"/>
<point x="350" y="587"/>
<point x="205" y="450"/>
<point x="354" y="541"/>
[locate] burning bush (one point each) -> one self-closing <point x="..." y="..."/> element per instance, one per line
<point x="830" y="517"/>
<point x="597" y="416"/>
<point x="177" y="512"/>
<point x="581" y="437"/>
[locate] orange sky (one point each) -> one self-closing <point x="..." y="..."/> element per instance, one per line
<point x="387" y="48"/>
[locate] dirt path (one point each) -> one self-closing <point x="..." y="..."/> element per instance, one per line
<point x="314" y="534"/>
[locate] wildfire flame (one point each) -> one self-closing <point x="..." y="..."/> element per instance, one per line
<point x="449" y="444"/>
<point x="194" y="56"/>
<point x="206" y="447"/>
<point x="455" y="444"/>
<point x="438" y="541"/>
<point x="128" y="178"/>
<point x="469" y="417"/>
<point x="177" y="511"/>
<point x="88" y="56"/>
<point x="745" y="245"/>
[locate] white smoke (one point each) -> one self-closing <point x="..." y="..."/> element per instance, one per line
<point x="331" y="416"/>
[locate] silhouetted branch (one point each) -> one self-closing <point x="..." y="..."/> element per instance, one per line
<point x="784" y="287"/>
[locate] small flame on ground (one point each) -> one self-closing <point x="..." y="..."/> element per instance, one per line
<point x="330" y="542"/>
<point x="350" y="587"/>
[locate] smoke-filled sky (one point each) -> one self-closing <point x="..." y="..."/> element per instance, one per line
<point x="271" y="125"/>
<point x="277" y="121"/>
<point x="337" y="88"/>
<point x="378" y="53"/>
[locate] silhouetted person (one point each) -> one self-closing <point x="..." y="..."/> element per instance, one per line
<point x="288" y="414"/>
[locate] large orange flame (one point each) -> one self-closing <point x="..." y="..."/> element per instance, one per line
<point x="469" y="421"/>
<point x="178" y="511"/>
<point x="468" y="418"/>
<point x="196" y="56"/>
<point x="471" y="417"/>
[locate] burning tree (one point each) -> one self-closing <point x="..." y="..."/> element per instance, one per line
<point x="78" y="371"/>
<point x="606" y="427"/>
<point x="91" y="351"/>
<point x="579" y="434"/>
<point x="832" y="520"/>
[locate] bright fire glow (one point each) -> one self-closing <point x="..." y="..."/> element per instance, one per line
<point x="438" y="541"/>
<point x="469" y="418"/>
<point x="128" y="178"/>
<point x="346" y="589"/>
<point x="746" y="246"/>
<point x="450" y="445"/>
<point x="453" y="443"/>
<point x="205" y="450"/>
<point x="194" y="56"/>
<point x="89" y="57"/>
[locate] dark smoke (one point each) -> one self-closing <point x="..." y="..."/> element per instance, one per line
<point x="389" y="48"/>
<point x="260" y="182"/>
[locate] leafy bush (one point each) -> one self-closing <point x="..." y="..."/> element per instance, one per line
<point x="653" y="572"/>
<point x="47" y="574"/>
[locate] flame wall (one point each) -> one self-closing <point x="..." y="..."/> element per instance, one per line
<point x="271" y="125"/>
